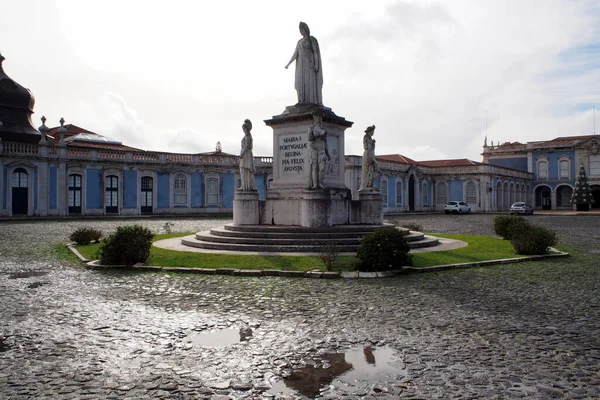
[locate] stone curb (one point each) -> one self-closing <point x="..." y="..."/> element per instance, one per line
<point x="554" y="253"/>
<point x="318" y="274"/>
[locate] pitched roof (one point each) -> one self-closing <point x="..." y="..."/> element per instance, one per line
<point x="462" y="162"/>
<point x="565" y="141"/>
<point x="397" y="158"/>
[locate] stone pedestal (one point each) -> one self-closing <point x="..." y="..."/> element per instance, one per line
<point x="288" y="200"/>
<point x="245" y="208"/>
<point x="316" y="208"/>
<point x="371" y="207"/>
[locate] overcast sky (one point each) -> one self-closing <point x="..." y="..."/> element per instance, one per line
<point x="181" y="75"/>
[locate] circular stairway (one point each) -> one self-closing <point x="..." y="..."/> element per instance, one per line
<point x="294" y="239"/>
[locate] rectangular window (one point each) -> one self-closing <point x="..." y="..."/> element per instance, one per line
<point x="384" y="192"/>
<point x="212" y="191"/>
<point x="398" y="194"/>
<point x="563" y="169"/>
<point x="441" y="193"/>
<point x="424" y="195"/>
<point x="471" y="193"/>
<point x="542" y="172"/>
<point x="595" y="164"/>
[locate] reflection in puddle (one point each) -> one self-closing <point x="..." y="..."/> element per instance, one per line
<point x="27" y="274"/>
<point x="343" y="370"/>
<point x="220" y="337"/>
<point x="3" y="344"/>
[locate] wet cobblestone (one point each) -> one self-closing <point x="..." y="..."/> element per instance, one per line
<point x="514" y="331"/>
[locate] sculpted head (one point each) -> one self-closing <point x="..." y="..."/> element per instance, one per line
<point x="304" y="29"/>
<point x="247" y="126"/>
<point x="370" y="130"/>
<point x="317" y="115"/>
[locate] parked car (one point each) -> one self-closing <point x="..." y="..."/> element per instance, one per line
<point x="521" y="207"/>
<point x="458" y="207"/>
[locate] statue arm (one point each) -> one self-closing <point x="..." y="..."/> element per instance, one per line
<point x="294" y="57"/>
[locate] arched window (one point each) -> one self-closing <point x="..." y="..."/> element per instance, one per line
<point x="180" y="190"/>
<point x="563" y="168"/>
<point x="440" y="193"/>
<point x="424" y="194"/>
<point x="212" y="191"/>
<point x="111" y="194"/>
<point x="20" y="203"/>
<point x="74" y="182"/>
<point x="471" y="197"/>
<point x="542" y="168"/>
<point x="399" y="194"/>
<point x="19" y="178"/>
<point x="384" y="192"/>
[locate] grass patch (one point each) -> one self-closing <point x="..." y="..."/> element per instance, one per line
<point x="480" y="248"/>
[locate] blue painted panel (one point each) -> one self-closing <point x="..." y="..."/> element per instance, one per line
<point x="261" y="185"/>
<point x="227" y="189"/>
<point x="553" y="163"/>
<point x="4" y="186"/>
<point x="391" y="191"/>
<point x="456" y="190"/>
<point x="52" y="187"/>
<point x="93" y="188"/>
<point x="196" y="189"/>
<point x="519" y="163"/>
<point x="35" y="188"/>
<point x="130" y="189"/>
<point x="162" y="190"/>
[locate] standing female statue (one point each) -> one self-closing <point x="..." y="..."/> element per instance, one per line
<point x="247" y="159"/>
<point x="309" y="73"/>
<point x="318" y="153"/>
<point x="370" y="167"/>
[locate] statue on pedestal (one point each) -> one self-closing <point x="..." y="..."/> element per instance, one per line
<point x="309" y="73"/>
<point x="370" y="168"/>
<point x="318" y="153"/>
<point x="247" y="169"/>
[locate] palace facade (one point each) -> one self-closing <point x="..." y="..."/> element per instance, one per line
<point x="68" y="170"/>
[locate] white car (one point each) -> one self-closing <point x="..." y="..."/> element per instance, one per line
<point x="521" y="208"/>
<point x="457" y="207"/>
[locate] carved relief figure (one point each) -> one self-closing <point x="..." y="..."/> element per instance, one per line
<point x="247" y="159"/>
<point x="318" y="153"/>
<point x="370" y="168"/>
<point x="309" y="73"/>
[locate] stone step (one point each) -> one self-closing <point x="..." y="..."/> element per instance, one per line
<point x="293" y="240"/>
<point x="299" y="229"/>
<point x="226" y="236"/>
<point x="293" y="234"/>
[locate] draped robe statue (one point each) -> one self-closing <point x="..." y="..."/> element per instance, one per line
<point x="309" y="71"/>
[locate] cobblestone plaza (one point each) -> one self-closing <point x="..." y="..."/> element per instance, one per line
<point x="526" y="330"/>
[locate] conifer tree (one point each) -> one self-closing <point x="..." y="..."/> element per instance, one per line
<point x="582" y="194"/>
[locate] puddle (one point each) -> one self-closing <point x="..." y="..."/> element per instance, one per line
<point x="3" y="345"/>
<point x="355" y="367"/>
<point x="35" y="285"/>
<point x="26" y="274"/>
<point x="219" y="337"/>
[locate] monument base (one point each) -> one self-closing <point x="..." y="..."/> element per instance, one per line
<point x="245" y="208"/>
<point x="371" y="207"/>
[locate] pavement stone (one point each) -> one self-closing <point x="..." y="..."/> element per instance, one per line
<point x="508" y="331"/>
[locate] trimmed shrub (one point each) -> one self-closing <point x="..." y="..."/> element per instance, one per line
<point x="85" y="236"/>
<point x="507" y="225"/>
<point x="127" y="246"/>
<point x="534" y="240"/>
<point x="383" y="249"/>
